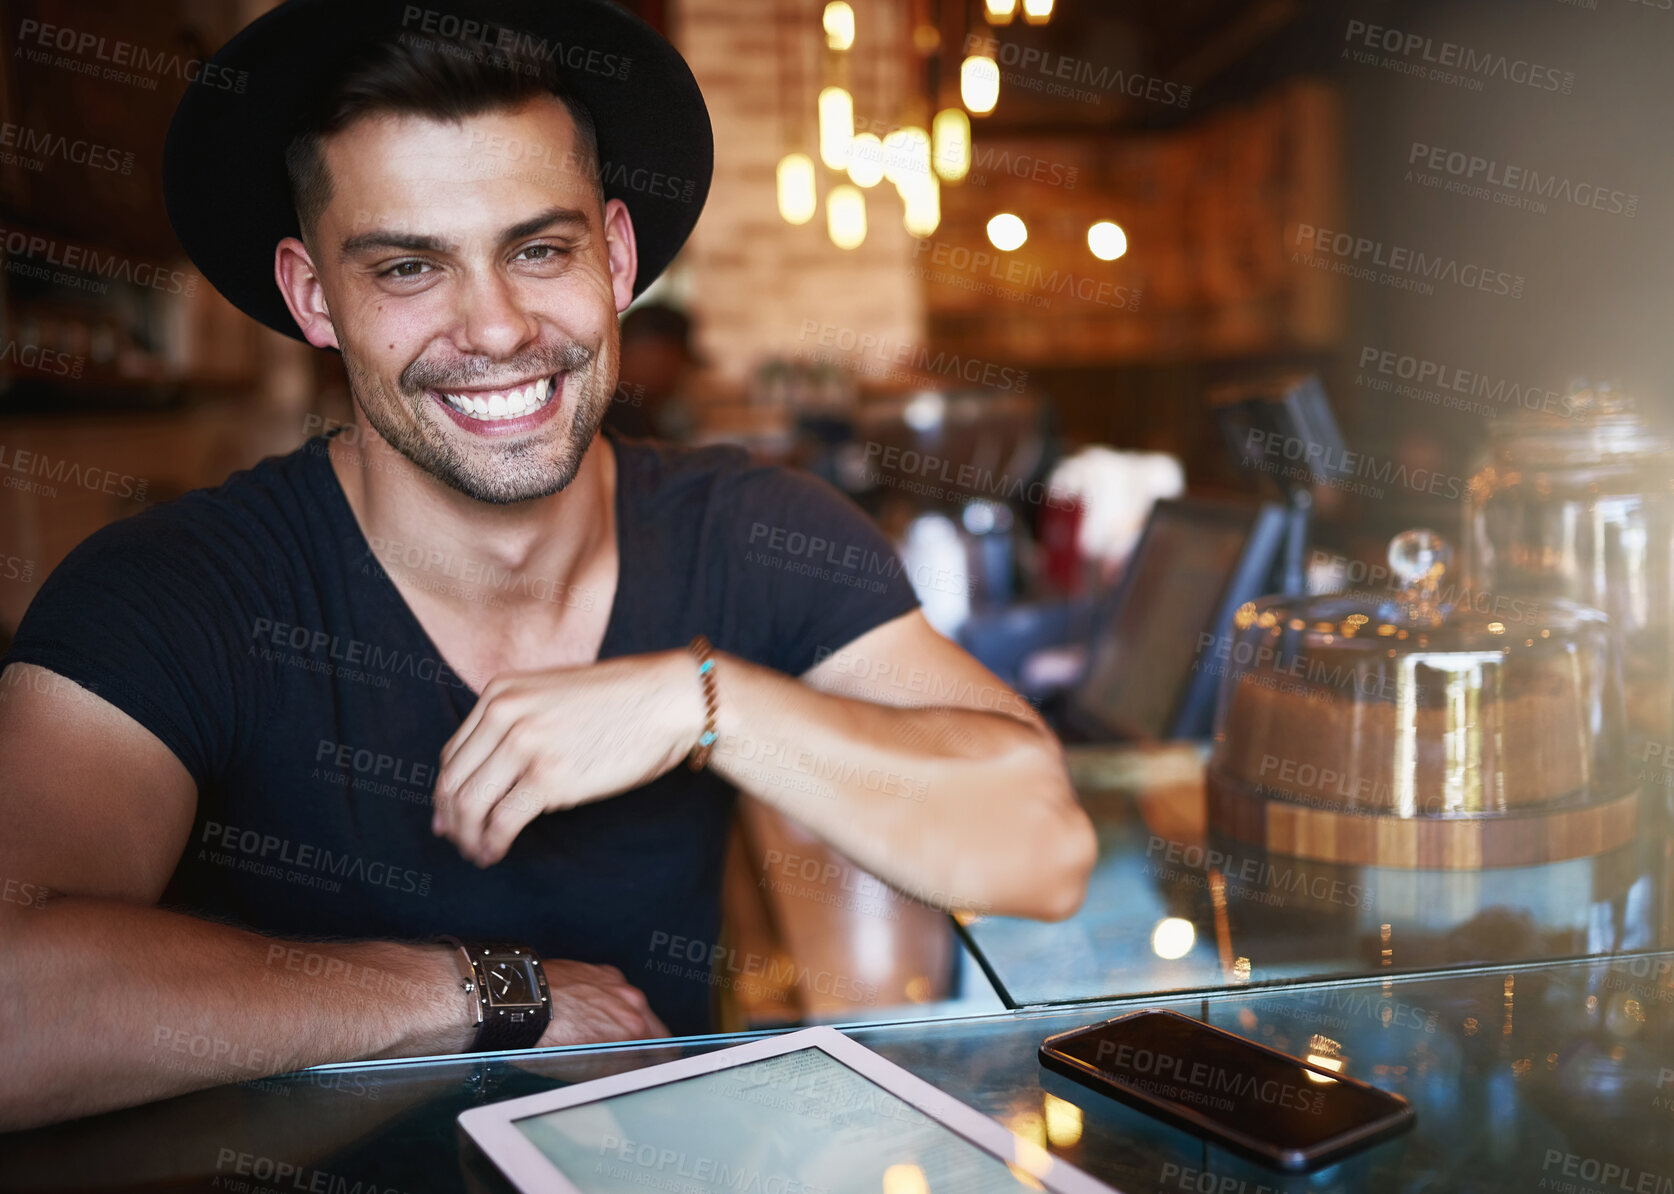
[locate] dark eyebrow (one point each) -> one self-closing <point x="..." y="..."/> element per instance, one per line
<point x="410" y="242"/>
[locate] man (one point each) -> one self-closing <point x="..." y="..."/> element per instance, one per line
<point x="263" y="746"/>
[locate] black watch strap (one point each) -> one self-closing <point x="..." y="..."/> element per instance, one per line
<point x="499" y="1025"/>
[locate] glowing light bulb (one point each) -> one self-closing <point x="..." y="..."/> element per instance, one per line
<point x="1037" y="12"/>
<point x="836" y="127"/>
<point x="979" y="84"/>
<point x="906" y="157"/>
<point x="999" y="12"/>
<point x="923" y="199"/>
<point x="1107" y="240"/>
<point x="866" y="160"/>
<point x="1006" y="232"/>
<point x="845" y="216"/>
<point x="797" y="201"/>
<point x="839" y="25"/>
<point x="950" y="137"/>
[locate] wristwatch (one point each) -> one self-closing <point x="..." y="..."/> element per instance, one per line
<point x="509" y="999"/>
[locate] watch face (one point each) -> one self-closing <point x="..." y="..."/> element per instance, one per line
<point x="511" y="983"/>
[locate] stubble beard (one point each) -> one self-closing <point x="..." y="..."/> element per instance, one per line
<point x="499" y="473"/>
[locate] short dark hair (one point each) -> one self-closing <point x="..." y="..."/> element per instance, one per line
<point x="438" y="77"/>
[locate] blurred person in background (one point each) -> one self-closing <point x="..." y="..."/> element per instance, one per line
<point x="652" y="401"/>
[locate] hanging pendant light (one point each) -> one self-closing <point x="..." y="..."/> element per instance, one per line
<point x="922" y="205"/>
<point x="866" y="160"/>
<point x="797" y="199"/>
<point x="1107" y="241"/>
<point x="906" y="156"/>
<point x="839" y="25"/>
<point x="836" y="127"/>
<point x="1037" y="12"/>
<point x="950" y="139"/>
<point x="845" y="216"/>
<point x="979" y="84"/>
<point x="1007" y="232"/>
<point x="999" y="12"/>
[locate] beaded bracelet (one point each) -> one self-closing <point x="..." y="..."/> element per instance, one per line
<point x="705" y="652"/>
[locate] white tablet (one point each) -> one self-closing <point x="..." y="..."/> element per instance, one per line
<point x="808" y="1112"/>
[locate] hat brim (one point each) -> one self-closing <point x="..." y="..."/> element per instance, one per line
<point x="224" y="181"/>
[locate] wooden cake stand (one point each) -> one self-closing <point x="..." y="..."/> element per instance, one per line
<point x="1421" y="843"/>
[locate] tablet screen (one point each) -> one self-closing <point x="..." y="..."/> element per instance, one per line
<point x="799" y="1123"/>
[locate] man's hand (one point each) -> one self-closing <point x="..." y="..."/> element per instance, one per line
<point x="541" y="741"/>
<point x="595" y="1004"/>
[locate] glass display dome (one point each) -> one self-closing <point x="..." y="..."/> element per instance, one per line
<point x="1427" y="725"/>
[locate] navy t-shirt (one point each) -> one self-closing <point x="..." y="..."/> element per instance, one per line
<point x="252" y="629"/>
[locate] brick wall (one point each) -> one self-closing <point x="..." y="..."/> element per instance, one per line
<point x="752" y="279"/>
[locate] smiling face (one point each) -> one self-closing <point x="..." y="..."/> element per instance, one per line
<point x="472" y="279"/>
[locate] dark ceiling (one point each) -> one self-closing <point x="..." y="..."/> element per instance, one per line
<point x="1224" y="50"/>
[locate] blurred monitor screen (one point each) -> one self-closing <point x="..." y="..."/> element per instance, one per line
<point x="1150" y="675"/>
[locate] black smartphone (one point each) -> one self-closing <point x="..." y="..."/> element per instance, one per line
<point x="1268" y="1105"/>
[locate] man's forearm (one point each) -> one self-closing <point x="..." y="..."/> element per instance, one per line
<point x="105" y="1004"/>
<point x="958" y="807"/>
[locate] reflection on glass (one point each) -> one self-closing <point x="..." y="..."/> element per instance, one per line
<point x="1063" y="1121"/>
<point x="1173" y="938"/>
<point x="801" y="1120"/>
<point x="905" y="1179"/>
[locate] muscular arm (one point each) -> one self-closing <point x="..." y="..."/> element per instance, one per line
<point x="915" y="761"/>
<point x="938" y="779"/>
<point x="106" y="1001"/>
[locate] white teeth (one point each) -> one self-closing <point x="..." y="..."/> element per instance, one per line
<point x="504" y="404"/>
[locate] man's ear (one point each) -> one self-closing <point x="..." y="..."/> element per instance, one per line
<point x="299" y="282"/>
<point x="624" y="252"/>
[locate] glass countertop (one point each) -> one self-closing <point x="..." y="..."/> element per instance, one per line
<point x="1171" y="908"/>
<point x="1534" y="1077"/>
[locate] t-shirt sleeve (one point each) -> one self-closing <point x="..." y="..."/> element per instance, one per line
<point x="809" y="572"/>
<point x="144" y="614"/>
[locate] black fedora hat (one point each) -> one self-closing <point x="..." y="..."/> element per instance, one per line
<point x="224" y="180"/>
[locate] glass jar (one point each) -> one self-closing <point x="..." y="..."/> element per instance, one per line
<point x="1582" y="507"/>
